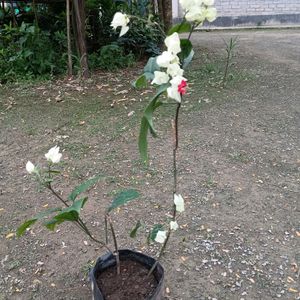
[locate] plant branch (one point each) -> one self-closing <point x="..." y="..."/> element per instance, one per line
<point x="115" y="243"/>
<point x="78" y="222"/>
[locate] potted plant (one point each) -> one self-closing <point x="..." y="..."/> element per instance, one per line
<point x="121" y="273"/>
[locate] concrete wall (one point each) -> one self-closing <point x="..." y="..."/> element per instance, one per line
<point x="252" y="12"/>
<point x="257" y="7"/>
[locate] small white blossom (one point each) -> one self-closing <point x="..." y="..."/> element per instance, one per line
<point x="53" y="155"/>
<point x="30" y="168"/>
<point x="161" y="236"/>
<point x="173" y="225"/>
<point x="160" y="78"/>
<point x="195" y="15"/>
<point x="188" y="4"/>
<point x="210" y="14"/>
<point x="174" y="70"/>
<point x="173" y="93"/>
<point x="177" y="80"/>
<point x="208" y="2"/>
<point x="179" y="202"/>
<point x="165" y="59"/>
<point x="122" y="20"/>
<point x="173" y="43"/>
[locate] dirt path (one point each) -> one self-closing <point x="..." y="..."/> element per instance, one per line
<point x="239" y="172"/>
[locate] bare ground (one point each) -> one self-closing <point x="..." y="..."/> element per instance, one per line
<point x="239" y="173"/>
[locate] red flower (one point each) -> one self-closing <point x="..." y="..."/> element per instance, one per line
<point x="182" y="87"/>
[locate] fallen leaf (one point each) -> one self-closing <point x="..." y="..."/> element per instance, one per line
<point x="290" y="279"/>
<point x="183" y="258"/>
<point x="10" y="235"/>
<point x="291" y="290"/>
<point x="298" y="233"/>
<point x="46" y="205"/>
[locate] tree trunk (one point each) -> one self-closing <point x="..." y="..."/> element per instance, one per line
<point x="70" y="69"/>
<point x="13" y="13"/>
<point x="80" y="29"/>
<point x="167" y="14"/>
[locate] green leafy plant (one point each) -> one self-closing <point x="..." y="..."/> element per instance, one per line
<point x="71" y="207"/>
<point x="165" y="72"/>
<point x="28" y="52"/>
<point x="111" y="57"/>
<point x="230" y="48"/>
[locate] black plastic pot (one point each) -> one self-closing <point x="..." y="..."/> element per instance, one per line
<point x="108" y="261"/>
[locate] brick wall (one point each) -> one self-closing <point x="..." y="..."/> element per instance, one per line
<point x="239" y="12"/>
<point x="257" y="7"/>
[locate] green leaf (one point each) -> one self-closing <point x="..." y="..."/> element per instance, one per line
<point x="147" y="122"/>
<point x="154" y="231"/>
<point x="180" y="28"/>
<point x="151" y="66"/>
<point x="186" y="48"/>
<point x="54" y="172"/>
<point x="72" y="212"/>
<point x="52" y="223"/>
<point x="188" y="59"/>
<point x="135" y="229"/>
<point x="84" y="187"/>
<point x="21" y="229"/>
<point x="141" y="82"/>
<point x="122" y="198"/>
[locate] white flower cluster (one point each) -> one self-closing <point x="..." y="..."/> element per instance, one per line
<point x="199" y="10"/>
<point x="53" y="156"/>
<point x="173" y="74"/>
<point x="162" y="234"/>
<point x="120" y="20"/>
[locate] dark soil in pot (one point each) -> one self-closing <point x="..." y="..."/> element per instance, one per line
<point x="132" y="283"/>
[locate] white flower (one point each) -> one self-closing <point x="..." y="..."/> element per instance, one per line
<point x="187" y="4"/>
<point x="30" y="168"/>
<point x="179" y="202"/>
<point x="173" y="93"/>
<point x="177" y="80"/>
<point x="161" y="236"/>
<point x="196" y="14"/>
<point x="53" y="155"/>
<point x="165" y="59"/>
<point x="208" y="2"/>
<point x="173" y="225"/>
<point x="160" y="78"/>
<point x="122" y="20"/>
<point x="210" y="14"/>
<point x="174" y="70"/>
<point x="173" y="43"/>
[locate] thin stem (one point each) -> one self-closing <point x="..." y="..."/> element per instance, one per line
<point x="78" y="222"/>
<point x="106" y="230"/>
<point x="175" y="149"/>
<point x="115" y="243"/>
<point x="175" y="179"/>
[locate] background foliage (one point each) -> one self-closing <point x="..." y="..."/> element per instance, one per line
<point x="33" y="44"/>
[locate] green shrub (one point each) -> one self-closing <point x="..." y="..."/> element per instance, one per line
<point x="111" y="57"/>
<point x="27" y="52"/>
<point x="144" y="36"/>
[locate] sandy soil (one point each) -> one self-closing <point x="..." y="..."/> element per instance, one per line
<point x="239" y="166"/>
